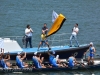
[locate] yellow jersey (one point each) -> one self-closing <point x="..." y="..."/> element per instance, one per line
<point x="43" y="37"/>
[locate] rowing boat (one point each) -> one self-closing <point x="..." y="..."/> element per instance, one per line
<point x="96" y="66"/>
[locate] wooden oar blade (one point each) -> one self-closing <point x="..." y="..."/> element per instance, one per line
<point x="56" y="25"/>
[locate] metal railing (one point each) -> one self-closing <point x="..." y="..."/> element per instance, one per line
<point x="54" y="40"/>
<point x="59" y="39"/>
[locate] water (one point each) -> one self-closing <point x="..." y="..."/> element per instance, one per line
<point x="16" y="14"/>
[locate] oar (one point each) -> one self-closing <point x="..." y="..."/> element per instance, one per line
<point x="75" y="72"/>
<point x="87" y="69"/>
<point x="17" y="72"/>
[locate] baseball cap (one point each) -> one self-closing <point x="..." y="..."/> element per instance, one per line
<point x="19" y="53"/>
<point x="91" y="43"/>
<point x="35" y="53"/>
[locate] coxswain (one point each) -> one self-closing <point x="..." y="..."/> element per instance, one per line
<point x="92" y="51"/>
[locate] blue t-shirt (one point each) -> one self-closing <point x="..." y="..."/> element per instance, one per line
<point x="54" y="63"/>
<point x="36" y="63"/>
<point x="51" y="57"/>
<point x="71" y="62"/>
<point x="3" y="64"/>
<point x="19" y="62"/>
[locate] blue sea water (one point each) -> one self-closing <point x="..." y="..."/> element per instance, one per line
<point x="16" y="14"/>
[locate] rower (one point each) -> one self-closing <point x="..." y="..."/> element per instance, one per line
<point x="51" y="56"/>
<point x="54" y="61"/>
<point x="1" y="56"/>
<point x="92" y="51"/>
<point x="19" y="60"/>
<point x="37" y="61"/>
<point x="71" y="61"/>
<point x="4" y="60"/>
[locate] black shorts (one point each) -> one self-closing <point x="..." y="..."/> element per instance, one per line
<point x="44" y="41"/>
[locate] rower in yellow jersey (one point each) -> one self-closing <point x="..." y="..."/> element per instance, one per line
<point x="44" y="40"/>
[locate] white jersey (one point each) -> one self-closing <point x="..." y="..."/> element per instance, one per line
<point x="75" y="30"/>
<point x="28" y="32"/>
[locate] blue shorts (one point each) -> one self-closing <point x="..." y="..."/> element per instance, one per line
<point x="91" y="55"/>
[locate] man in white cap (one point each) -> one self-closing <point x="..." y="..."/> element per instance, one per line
<point x="92" y="51"/>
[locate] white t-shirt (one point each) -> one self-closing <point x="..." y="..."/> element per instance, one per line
<point x="28" y="32"/>
<point x="75" y="30"/>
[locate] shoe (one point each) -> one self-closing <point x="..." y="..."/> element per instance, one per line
<point x="78" y="46"/>
<point x="49" y="48"/>
<point x="70" y="46"/>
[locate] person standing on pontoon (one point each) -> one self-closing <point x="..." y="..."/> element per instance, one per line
<point x="44" y="28"/>
<point x="44" y="40"/>
<point x="75" y="31"/>
<point x="92" y="51"/>
<point x="28" y="33"/>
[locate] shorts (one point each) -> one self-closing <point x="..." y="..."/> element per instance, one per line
<point x="44" y="41"/>
<point x="91" y="55"/>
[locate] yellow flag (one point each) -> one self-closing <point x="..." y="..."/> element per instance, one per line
<point x="57" y="24"/>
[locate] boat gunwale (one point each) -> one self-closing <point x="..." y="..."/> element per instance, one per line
<point x="31" y="70"/>
<point x="62" y="50"/>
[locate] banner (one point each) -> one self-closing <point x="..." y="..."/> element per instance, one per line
<point x="58" y="22"/>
